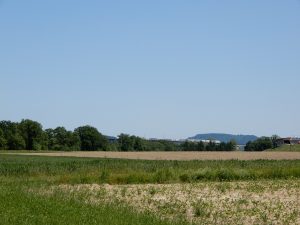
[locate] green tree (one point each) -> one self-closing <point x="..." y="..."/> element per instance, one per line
<point x="200" y="146"/>
<point x="32" y="133"/>
<point x="189" y="146"/>
<point x="126" y="142"/>
<point x="222" y="147"/>
<point x="51" y="138"/>
<point x="61" y="139"/>
<point x="91" y="139"/>
<point x="14" y="140"/>
<point x="154" y="145"/>
<point x="231" y="145"/>
<point x="211" y="146"/>
<point x="138" y="144"/>
<point x="250" y="146"/>
<point x="169" y="146"/>
<point x="274" y="139"/>
<point x="260" y="144"/>
<point x="2" y="140"/>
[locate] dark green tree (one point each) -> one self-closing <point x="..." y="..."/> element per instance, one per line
<point x="61" y="139"/>
<point x="32" y="133"/>
<point x="91" y="139"/>
<point x="14" y="140"/>
<point x="274" y="139"/>
<point x="222" y="147"/>
<point x="2" y="140"/>
<point x="200" y="146"/>
<point x="231" y="145"/>
<point x="250" y="146"/>
<point x="189" y="146"/>
<point x="260" y="144"/>
<point x="126" y="142"/>
<point x="138" y="144"/>
<point x="211" y="146"/>
<point x="154" y="145"/>
<point x="169" y="146"/>
<point x="51" y="138"/>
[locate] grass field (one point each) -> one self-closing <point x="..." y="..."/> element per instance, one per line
<point x="66" y="190"/>
<point x="264" y="202"/>
<point x="271" y="155"/>
<point x="287" y="148"/>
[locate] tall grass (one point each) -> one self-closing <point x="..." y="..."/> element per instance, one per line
<point x="118" y="171"/>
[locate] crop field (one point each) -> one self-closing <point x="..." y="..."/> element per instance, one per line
<point x="268" y="155"/>
<point x="73" y="190"/>
<point x="266" y="202"/>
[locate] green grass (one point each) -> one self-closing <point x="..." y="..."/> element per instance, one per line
<point x="118" y="171"/>
<point x="19" y="174"/>
<point x="19" y="207"/>
<point x="287" y="148"/>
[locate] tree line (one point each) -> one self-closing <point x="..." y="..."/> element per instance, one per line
<point x="134" y="143"/>
<point x="30" y="135"/>
<point x="262" y="144"/>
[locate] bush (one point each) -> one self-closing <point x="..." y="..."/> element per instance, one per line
<point x="260" y="144"/>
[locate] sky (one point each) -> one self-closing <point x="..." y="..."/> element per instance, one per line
<point x="160" y="68"/>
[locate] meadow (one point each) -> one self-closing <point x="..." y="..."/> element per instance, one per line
<point x="273" y="154"/>
<point x="287" y="148"/>
<point x="66" y="190"/>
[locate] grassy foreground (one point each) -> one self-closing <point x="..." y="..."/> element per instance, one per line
<point x="20" y="176"/>
<point x="19" y="207"/>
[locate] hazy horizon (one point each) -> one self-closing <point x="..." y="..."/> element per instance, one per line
<point x="168" y="69"/>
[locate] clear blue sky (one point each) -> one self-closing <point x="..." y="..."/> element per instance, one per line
<point x="167" y="68"/>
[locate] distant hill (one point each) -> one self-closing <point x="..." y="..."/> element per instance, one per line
<point x="240" y="139"/>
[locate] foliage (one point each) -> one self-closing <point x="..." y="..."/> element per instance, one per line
<point x="63" y="140"/>
<point x="32" y="133"/>
<point x="134" y="143"/>
<point x="12" y="136"/>
<point x="2" y="140"/>
<point x="126" y="142"/>
<point x="91" y="139"/>
<point x="273" y="139"/>
<point x="189" y="146"/>
<point x="260" y="144"/>
<point x="29" y="135"/>
<point x="211" y="146"/>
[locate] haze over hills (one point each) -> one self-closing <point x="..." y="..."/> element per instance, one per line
<point x="240" y="139"/>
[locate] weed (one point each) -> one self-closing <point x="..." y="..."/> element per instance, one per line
<point x="201" y="209"/>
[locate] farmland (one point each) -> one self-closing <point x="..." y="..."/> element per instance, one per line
<point x="74" y="190"/>
<point x="179" y="155"/>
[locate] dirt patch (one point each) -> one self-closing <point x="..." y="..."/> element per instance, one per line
<point x="266" y="202"/>
<point x="176" y="155"/>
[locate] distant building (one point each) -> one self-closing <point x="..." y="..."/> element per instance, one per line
<point x="175" y="141"/>
<point x="181" y="141"/>
<point x="287" y="141"/>
<point x="204" y="141"/>
<point x="111" y="139"/>
<point x="240" y="147"/>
